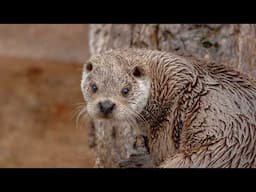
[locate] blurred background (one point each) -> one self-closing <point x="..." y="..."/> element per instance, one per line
<point x="40" y="72"/>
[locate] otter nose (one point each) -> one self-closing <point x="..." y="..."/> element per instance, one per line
<point x="106" y="106"/>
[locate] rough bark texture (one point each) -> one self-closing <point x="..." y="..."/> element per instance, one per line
<point x="232" y="44"/>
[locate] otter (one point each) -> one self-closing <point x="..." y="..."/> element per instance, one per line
<point x="186" y="111"/>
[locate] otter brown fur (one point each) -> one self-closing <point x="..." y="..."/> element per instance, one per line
<point x="193" y="113"/>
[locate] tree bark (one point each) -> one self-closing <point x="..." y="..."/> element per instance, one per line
<point x="233" y="44"/>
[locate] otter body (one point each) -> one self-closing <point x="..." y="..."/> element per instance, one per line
<point x="191" y="113"/>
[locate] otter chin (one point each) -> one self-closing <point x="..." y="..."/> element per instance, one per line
<point x="157" y="109"/>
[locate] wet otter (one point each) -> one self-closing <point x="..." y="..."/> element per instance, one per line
<point x="192" y="113"/>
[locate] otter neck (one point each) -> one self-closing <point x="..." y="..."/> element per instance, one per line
<point x="171" y="78"/>
<point x="173" y="81"/>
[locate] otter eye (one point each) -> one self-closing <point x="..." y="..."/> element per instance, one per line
<point x="94" y="88"/>
<point x="89" y="66"/>
<point x="125" y="91"/>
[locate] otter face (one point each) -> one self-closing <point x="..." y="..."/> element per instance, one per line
<point x="114" y="90"/>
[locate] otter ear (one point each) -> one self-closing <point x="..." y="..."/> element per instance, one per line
<point x="138" y="72"/>
<point x="88" y="66"/>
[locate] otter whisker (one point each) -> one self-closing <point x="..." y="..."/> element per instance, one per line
<point x="132" y="118"/>
<point x="133" y="124"/>
<point x="82" y="113"/>
<point x="76" y="109"/>
<point x="135" y="113"/>
<point x="138" y="115"/>
<point x="76" y="112"/>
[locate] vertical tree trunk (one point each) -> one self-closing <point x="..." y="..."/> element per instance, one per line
<point x="233" y="44"/>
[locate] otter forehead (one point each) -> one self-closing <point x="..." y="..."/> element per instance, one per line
<point x="110" y="76"/>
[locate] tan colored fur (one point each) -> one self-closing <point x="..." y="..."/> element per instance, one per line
<point x="197" y="114"/>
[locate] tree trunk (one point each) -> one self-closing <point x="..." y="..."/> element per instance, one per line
<point x="232" y="44"/>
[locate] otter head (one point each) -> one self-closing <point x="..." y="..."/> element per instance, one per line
<point x="114" y="88"/>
